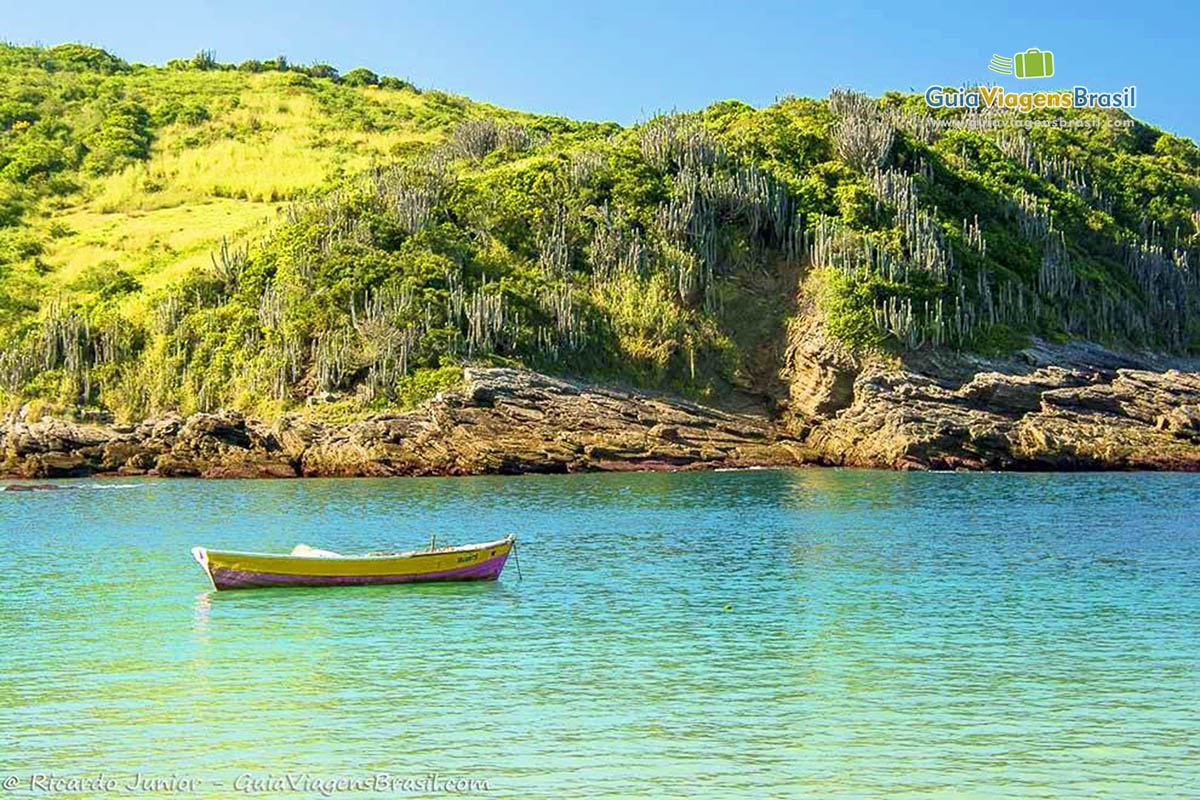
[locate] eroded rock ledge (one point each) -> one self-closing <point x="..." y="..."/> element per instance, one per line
<point x="501" y="421"/>
<point x="1049" y="407"/>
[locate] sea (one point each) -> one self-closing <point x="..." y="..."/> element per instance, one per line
<point x="818" y="632"/>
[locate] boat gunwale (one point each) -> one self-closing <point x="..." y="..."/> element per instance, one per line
<point x="511" y="538"/>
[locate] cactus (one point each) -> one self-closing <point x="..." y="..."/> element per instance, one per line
<point x="582" y="166"/>
<point x="864" y="136"/>
<point x="570" y="326"/>
<point x="1055" y="279"/>
<point x="553" y="241"/>
<point x="332" y="358"/>
<point x="167" y="314"/>
<point x="412" y="191"/>
<point x="18" y="366"/>
<point x="615" y="246"/>
<point x="484" y="323"/>
<point x="925" y="247"/>
<point x="920" y="126"/>
<point x="673" y="142"/>
<point x="1016" y="144"/>
<point x="973" y="236"/>
<point x="475" y="138"/>
<point x="1032" y="215"/>
<point x="229" y="263"/>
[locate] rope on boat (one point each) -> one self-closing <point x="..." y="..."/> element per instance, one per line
<point x="517" y="559"/>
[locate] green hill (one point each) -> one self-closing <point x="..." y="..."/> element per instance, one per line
<point x="204" y="235"/>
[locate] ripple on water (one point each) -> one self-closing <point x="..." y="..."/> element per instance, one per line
<point x="825" y="632"/>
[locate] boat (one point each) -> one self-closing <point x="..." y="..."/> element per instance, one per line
<point x="306" y="566"/>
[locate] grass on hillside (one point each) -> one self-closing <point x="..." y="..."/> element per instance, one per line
<point x="259" y="142"/>
<point x="200" y="236"/>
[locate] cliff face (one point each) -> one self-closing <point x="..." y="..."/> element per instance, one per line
<point x="501" y="421"/>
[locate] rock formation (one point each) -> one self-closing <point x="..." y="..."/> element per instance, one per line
<point x="500" y="421"/>
<point x="1049" y="407"/>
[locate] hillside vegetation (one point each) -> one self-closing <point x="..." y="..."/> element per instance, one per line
<point x="203" y="235"/>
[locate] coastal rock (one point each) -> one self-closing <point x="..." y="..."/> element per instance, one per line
<point x="512" y="421"/>
<point x="222" y="445"/>
<point x="1041" y="410"/>
<point x="499" y="421"/>
<point x="819" y="372"/>
<point x="131" y="454"/>
<point x="50" y="448"/>
<point x="1049" y="407"/>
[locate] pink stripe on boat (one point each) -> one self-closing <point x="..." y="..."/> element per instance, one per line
<point x="224" y="578"/>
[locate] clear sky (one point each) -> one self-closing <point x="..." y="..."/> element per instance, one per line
<point x="622" y="60"/>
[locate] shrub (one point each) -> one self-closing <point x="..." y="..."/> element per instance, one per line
<point x="389" y="82"/>
<point x="14" y="112"/>
<point x="848" y="308"/>
<point x="25" y="246"/>
<point x="360" y="77"/>
<point x="425" y="384"/>
<point x="185" y="113"/>
<point x="81" y="57"/>
<point x="123" y="137"/>
<point x="1184" y="150"/>
<point x="106" y="280"/>
<point x="41" y="152"/>
<point x="299" y="80"/>
<point x="12" y="205"/>
<point x="322" y="71"/>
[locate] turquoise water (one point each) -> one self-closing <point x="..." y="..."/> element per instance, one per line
<point x="777" y="633"/>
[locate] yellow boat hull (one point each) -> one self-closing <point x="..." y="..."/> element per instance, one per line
<point x="229" y="569"/>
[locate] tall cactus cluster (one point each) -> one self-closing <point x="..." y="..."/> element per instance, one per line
<point x="476" y="138"/>
<point x="482" y="323"/>
<point x="711" y="191"/>
<point x="616" y="246"/>
<point x="927" y="292"/>
<point x="1059" y="170"/>
<point x="863" y="134"/>
<point x="413" y="191"/>
<point x="72" y="343"/>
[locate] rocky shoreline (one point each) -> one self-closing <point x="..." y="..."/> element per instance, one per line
<point x="1048" y="408"/>
<point x="502" y="421"/>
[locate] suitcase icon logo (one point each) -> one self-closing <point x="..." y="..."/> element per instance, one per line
<point x="1033" y="63"/>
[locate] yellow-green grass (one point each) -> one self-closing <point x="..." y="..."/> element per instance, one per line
<point x="266" y="143"/>
<point x="157" y="245"/>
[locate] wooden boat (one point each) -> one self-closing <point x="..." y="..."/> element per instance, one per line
<point x="304" y="566"/>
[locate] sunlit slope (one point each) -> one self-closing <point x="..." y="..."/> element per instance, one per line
<point x="225" y="151"/>
<point x="270" y="237"/>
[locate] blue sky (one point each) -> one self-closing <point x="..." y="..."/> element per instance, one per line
<point x="624" y="60"/>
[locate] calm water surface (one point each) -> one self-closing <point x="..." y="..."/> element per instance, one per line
<point x="780" y="633"/>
